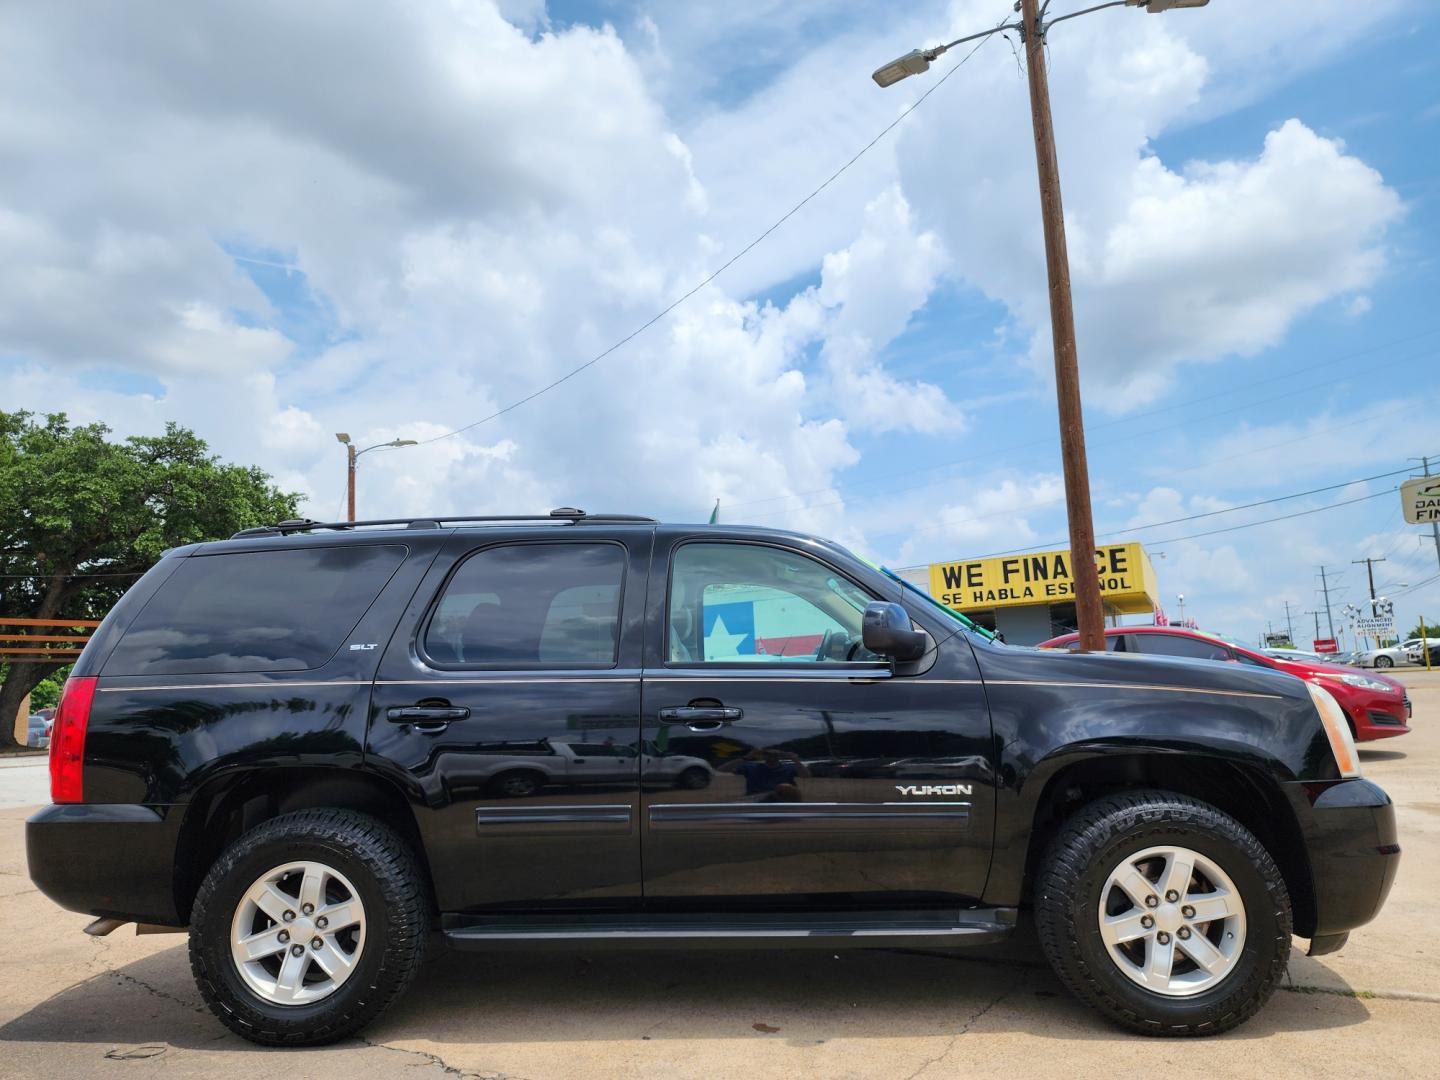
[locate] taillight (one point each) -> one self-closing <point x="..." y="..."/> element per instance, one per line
<point x="67" y="740"/>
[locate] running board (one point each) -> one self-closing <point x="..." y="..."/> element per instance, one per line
<point x="857" y="930"/>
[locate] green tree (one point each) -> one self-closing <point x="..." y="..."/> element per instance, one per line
<point x="46" y="694"/>
<point x="82" y="518"/>
<point x="1431" y="630"/>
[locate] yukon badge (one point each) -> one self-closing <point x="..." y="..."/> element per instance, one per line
<point x="934" y="789"/>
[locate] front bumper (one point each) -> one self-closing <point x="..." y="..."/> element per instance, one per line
<point x="1375" y="715"/>
<point x="1349" y="829"/>
<point x="111" y="859"/>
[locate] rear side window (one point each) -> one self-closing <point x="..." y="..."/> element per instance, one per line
<point x="1175" y="645"/>
<point x="286" y="610"/>
<point x="530" y="605"/>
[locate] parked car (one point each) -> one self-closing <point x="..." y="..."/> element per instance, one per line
<point x="1376" y="706"/>
<point x="1412" y="649"/>
<point x="1388" y="657"/>
<point x="284" y="744"/>
<point x="1290" y="654"/>
<point x="37" y="731"/>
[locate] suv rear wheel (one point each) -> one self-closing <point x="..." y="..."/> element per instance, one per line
<point x="307" y="927"/>
<point x="1164" y="913"/>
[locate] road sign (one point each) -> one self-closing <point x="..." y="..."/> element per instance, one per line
<point x="1381" y="627"/>
<point x="1421" y="499"/>
<point x="1326" y="645"/>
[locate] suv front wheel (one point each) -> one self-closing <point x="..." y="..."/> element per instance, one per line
<point x="1164" y="913"/>
<point x="307" y="927"/>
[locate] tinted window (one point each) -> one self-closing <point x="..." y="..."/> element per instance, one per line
<point x="1113" y="643"/>
<point x="742" y="603"/>
<point x="530" y="605"/>
<point x="1175" y="645"/>
<point x="285" y="610"/>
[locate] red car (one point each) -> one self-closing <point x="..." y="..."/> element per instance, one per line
<point x="1376" y="705"/>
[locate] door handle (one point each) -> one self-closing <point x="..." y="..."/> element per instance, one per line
<point x="701" y="714"/>
<point x="426" y="714"/>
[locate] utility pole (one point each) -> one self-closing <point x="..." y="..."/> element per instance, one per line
<point x="1289" y="623"/>
<point x="1317" y="623"/>
<point x="1034" y="29"/>
<point x="1370" y="569"/>
<point x="1434" y="527"/>
<point x="350" y="482"/>
<point x="1089" y="613"/>
<point x="1325" y="588"/>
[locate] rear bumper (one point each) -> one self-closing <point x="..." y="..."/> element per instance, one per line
<point x="1349" y="830"/>
<point x="111" y="859"/>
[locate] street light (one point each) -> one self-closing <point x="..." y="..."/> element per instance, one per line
<point x="351" y="455"/>
<point x="1033" y="27"/>
<point x="1157" y="6"/>
<point x="1181" y="598"/>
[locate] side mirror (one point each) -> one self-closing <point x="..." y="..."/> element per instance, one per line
<point x="888" y="632"/>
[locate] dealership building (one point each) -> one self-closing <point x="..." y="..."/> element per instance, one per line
<point x="1030" y="598"/>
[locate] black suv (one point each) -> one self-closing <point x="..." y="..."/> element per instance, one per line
<point x="312" y="745"/>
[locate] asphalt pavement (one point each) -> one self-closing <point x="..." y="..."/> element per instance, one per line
<point x="123" y="1006"/>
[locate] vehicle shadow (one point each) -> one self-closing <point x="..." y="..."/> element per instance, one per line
<point x="805" y="998"/>
<point x="1381" y="755"/>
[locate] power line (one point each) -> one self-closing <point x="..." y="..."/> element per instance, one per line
<point x="1283" y="517"/>
<point x="990" y="453"/>
<point x="1206" y="463"/>
<point x="725" y="265"/>
<point x="1250" y="452"/>
<point x="1213" y="532"/>
<point x="1416" y="587"/>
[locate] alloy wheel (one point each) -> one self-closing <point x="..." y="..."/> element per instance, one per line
<point x="298" y="933"/>
<point x="1172" y="921"/>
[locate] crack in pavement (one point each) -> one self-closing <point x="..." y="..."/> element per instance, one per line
<point x="126" y="977"/>
<point x="970" y="1021"/>
<point x="435" y="1059"/>
<point x="1366" y="995"/>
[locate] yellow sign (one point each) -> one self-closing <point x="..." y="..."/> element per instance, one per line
<point x="1127" y="580"/>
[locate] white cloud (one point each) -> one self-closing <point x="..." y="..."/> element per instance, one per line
<point x="1224" y="257"/>
<point x="985" y="516"/>
<point x="483" y="203"/>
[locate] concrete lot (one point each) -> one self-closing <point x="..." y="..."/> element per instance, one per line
<point x="72" y="1006"/>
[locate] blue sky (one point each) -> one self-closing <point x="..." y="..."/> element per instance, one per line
<point x="398" y="226"/>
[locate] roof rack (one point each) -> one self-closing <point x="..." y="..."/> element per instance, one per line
<point x="565" y="515"/>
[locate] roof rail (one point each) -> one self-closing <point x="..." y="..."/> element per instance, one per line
<point x="565" y="515"/>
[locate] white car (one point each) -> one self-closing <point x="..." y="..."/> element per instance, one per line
<point x="1390" y="657"/>
<point x="1412" y="648"/>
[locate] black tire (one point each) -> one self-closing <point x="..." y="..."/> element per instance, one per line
<point x="1075" y="868"/>
<point x="384" y="873"/>
<point x="694" y="778"/>
<point x="1384" y="661"/>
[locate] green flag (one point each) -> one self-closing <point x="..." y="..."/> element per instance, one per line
<point x="715" y="514"/>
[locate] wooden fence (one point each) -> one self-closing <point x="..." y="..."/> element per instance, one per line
<point x="35" y="647"/>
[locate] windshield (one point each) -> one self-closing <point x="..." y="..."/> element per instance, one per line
<point x="974" y="628"/>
